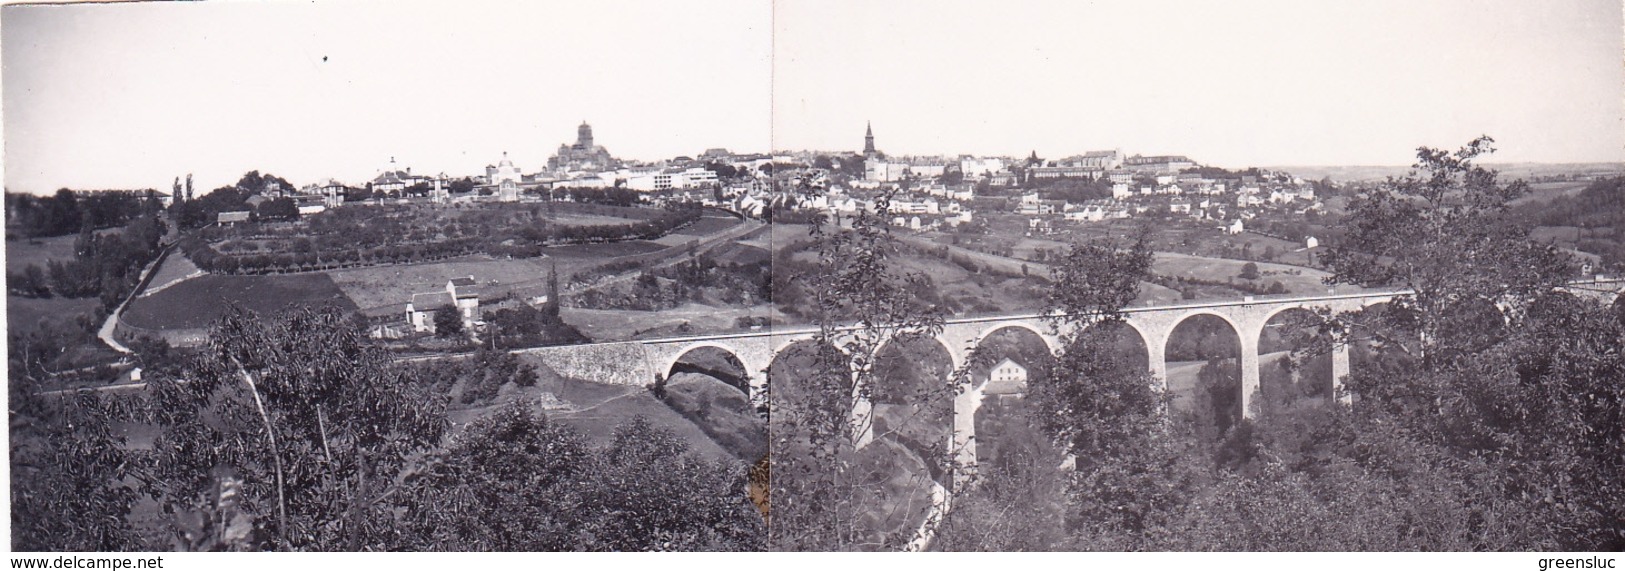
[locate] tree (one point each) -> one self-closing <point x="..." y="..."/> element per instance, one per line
<point x="1506" y="367"/>
<point x="517" y="481"/>
<point x="463" y="185"/>
<point x="278" y="209"/>
<point x="1092" y="405"/>
<point x="448" y="322"/>
<point x="306" y="412"/>
<point x="826" y="454"/>
<point x="1095" y="400"/>
<point x="554" y="295"/>
<point x="1249" y="271"/>
<point x="68" y="471"/>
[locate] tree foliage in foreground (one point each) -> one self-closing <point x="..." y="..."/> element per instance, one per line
<point x="298" y="433"/>
<point x="836" y="484"/>
<point x="517" y="481"/>
<point x="308" y="412"/>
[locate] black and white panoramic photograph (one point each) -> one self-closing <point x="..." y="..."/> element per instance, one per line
<point x="815" y="276"/>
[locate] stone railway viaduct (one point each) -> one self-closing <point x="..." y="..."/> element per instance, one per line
<point x="640" y="361"/>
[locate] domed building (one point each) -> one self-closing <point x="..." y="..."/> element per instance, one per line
<point x="583" y="156"/>
<point x="503" y="170"/>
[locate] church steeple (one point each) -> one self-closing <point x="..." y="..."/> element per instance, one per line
<point x="868" y="139"/>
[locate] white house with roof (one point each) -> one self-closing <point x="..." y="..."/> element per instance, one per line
<point x="1179" y="205"/>
<point x="1006" y="378"/>
<point x="462" y="293"/>
<point x="231" y="217"/>
<point x="978" y="167"/>
<point x="1091" y="212"/>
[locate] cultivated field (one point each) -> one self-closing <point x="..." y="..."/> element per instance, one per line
<point x="379" y="286"/>
<point x="176" y="267"/>
<point x="198" y="302"/>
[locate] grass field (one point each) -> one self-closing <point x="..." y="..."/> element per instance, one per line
<point x="176" y="267"/>
<point x="198" y="302"/>
<point x="739" y="253"/>
<point x="21" y="253"/>
<point x="1545" y="191"/>
<point x="615" y="325"/>
<point x="1296" y="279"/>
<point x="23" y="314"/>
<point x="387" y="285"/>
<point x="709" y="225"/>
<point x="605" y="250"/>
<point x="583" y="219"/>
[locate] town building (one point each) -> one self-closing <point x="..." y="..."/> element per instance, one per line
<point x="1121" y="191"/>
<point x="1103" y="160"/>
<point x="582" y="156"/>
<point x="976" y="168"/>
<point x="1158" y="163"/>
<point x="1179" y="206"/>
<point x="1067" y="172"/>
<point x="231" y="218"/>
<point x="869" y="140"/>
<point x="503" y="170"/>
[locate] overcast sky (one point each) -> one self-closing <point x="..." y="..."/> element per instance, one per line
<point x="99" y="96"/>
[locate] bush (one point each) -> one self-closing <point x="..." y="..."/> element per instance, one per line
<point x="1249" y="271"/>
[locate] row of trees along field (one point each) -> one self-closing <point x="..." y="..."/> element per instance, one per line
<point x="344" y="248"/>
<point x="68" y="211"/>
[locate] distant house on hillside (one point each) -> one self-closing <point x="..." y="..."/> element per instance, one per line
<point x="1007" y="378"/>
<point x="230" y="218"/>
<point x="461" y="293"/>
<point x="420" y="311"/>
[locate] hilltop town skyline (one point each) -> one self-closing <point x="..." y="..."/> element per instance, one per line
<point x="337" y="89"/>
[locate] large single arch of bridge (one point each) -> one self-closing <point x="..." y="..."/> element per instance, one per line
<point x="1206" y="353"/>
<point x="989" y="413"/>
<point x="716" y="360"/>
<point x="1295" y="363"/>
<point x="911" y="423"/>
